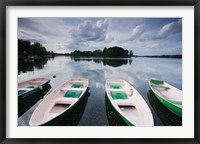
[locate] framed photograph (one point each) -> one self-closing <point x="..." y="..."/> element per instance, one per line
<point x="99" y="72"/>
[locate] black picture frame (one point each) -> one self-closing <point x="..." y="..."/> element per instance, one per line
<point x="5" y="3"/>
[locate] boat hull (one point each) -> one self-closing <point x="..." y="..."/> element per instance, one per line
<point x="113" y="116"/>
<point x="168" y="95"/>
<point x="60" y="102"/>
<point x="57" y="120"/>
<point x="28" y="102"/>
<point x="128" y="103"/>
<point x="28" y="94"/>
<point x="170" y="106"/>
<point x="124" y="118"/>
<point x="167" y="117"/>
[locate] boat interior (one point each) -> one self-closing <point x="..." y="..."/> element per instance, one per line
<point x="66" y="96"/>
<point x="121" y="94"/>
<point x="170" y="93"/>
<point x="28" y="85"/>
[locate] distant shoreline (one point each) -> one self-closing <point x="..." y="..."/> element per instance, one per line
<point x="161" y="56"/>
<point x="77" y="57"/>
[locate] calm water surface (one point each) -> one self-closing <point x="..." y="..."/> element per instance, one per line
<point x="95" y="111"/>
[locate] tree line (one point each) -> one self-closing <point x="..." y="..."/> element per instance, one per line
<point x="112" y="52"/>
<point x="26" y="48"/>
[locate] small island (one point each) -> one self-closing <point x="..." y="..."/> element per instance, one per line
<point x="112" y="52"/>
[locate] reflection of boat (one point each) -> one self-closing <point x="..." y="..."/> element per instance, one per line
<point x="166" y="116"/>
<point x="27" y="103"/>
<point x="30" y="87"/>
<point x="59" y="102"/>
<point x="170" y="96"/>
<point x="113" y="117"/>
<point x="128" y="103"/>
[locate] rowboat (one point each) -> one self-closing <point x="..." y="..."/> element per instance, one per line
<point x="59" y="102"/>
<point x="168" y="95"/>
<point x="167" y="117"/>
<point x="30" y="87"/>
<point x="128" y="103"/>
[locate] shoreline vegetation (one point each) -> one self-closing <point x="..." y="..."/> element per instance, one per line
<point x="26" y="50"/>
<point x="161" y="56"/>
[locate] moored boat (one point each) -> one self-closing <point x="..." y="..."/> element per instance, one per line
<point x="168" y="95"/>
<point x="30" y="87"/>
<point x="59" y="102"/>
<point x="128" y="103"/>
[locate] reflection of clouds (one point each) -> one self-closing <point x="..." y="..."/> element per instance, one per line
<point x="99" y="85"/>
<point x="58" y="67"/>
<point x="141" y="69"/>
<point x="114" y="62"/>
<point x="138" y="73"/>
<point x="169" y="70"/>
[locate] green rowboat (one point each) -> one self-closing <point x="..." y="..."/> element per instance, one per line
<point x="59" y="102"/>
<point x="168" y="95"/>
<point x="128" y="103"/>
<point x="29" y="88"/>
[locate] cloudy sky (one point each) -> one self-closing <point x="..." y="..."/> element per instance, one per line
<point x="144" y="36"/>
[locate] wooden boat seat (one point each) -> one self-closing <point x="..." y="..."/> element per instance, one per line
<point x="116" y="90"/>
<point x="123" y="102"/>
<point x="68" y="88"/>
<point x="38" y="81"/>
<point x="161" y="86"/>
<point x="64" y="100"/>
<point x="64" y="89"/>
<point x="78" y="82"/>
<point x="25" y="89"/>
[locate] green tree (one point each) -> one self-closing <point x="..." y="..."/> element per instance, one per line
<point x="131" y="53"/>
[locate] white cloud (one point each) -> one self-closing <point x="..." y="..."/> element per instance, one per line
<point x="136" y="33"/>
<point x="170" y="29"/>
<point x="87" y="31"/>
<point x="109" y="39"/>
<point x="140" y="32"/>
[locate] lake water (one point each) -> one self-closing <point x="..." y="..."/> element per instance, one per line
<point x="95" y="109"/>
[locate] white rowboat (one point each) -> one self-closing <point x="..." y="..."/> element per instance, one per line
<point x="59" y="101"/>
<point x="170" y="96"/>
<point x="128" y="103"/>
<point x="30" y="87"/>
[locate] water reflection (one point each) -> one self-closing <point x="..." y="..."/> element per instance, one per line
<point x="115" y="62"/>
<point x="137" y="71"/>
<point x="25" y="65"/>
<point x="72" y="116"/>
<point x="113" y="117"/>
<point x="27" y="103"/>
<point x="106" y="61"/>
<point x="166" y="116"/>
